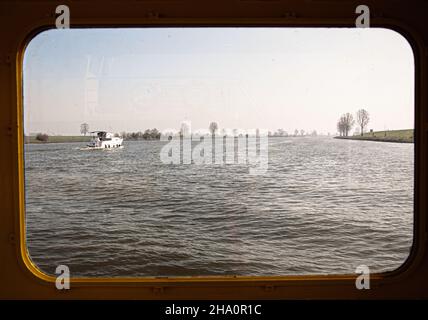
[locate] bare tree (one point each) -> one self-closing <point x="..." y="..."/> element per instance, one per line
<point x="302" y="132"/>
<point x="84" y="128"/>
<point x="213" y="127"/>
<point x="362" y="119"/>
<point x="348" y="122"/>
<point x="345" y="124"/>
<point x="296" y="132"/>
<point x="340" y="127"/>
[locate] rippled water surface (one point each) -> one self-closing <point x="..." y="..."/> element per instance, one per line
<point x="324" y="206"/>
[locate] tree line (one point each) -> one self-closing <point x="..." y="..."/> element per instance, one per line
<point x="344" y="126"/>
<point x="213" y="129"/>
<point x="149" y="134"/>
<point x="297" y="133"/>
<point x="346" y="122"/>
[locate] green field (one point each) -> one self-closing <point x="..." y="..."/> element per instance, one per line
<point x="385" y="136"/>
<point x="58" y="139"/>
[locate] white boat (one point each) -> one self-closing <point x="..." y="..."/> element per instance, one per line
<point x="104" y="140"/>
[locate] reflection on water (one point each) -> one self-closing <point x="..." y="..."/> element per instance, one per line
<point x="324" y="206"/>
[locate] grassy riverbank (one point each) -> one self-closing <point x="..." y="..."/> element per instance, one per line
<point x="58" y="139"/>
<point x="405" y="136"/>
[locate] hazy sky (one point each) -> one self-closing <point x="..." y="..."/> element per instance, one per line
<point x="134" y="79"/>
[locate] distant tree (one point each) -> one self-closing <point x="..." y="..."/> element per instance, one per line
<point x="146" y="134"/>
<point x="213" y="127"/>
<point x="349" y="122"/>
<point x="362" y="119"/>
<point x="345" y="124"/>
<point x="340" y="128"/>
<point x="135" y="135"/>
<point x="296" y="133"/>
<point x="280" y="133"/>
<point x="314" y="133"/>
<point x="42" y="137"/>
<point x="84" y="128"/>
<point x="302" y="132"/>
<point x="155" y="134"/>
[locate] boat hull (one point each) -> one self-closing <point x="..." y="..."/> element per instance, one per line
<point x="113" y="143"/>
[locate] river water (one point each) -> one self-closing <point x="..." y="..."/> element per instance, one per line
<point x="324" y="206"/>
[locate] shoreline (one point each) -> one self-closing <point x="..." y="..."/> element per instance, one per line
<point x="56" y="139"/>
<point x="375" y="139"/>
<point x="396" y="136"/>
<point x="70" y="139"/>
